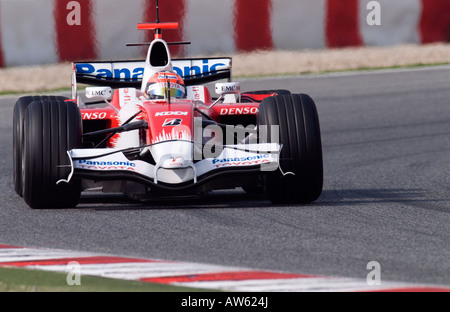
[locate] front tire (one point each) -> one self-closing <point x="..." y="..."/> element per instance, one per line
<point x="51" y="128"/>
<point x="18" y="116"/>
<point x="301" y="153"/>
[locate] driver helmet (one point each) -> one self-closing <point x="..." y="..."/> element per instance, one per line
<point x="157" y="85"/>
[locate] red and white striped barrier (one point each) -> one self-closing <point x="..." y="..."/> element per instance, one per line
<point x="188" y="274"/>
<point x="50" y="31"/>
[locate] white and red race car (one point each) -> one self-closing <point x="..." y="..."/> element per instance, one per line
<point x="151" y="129"/>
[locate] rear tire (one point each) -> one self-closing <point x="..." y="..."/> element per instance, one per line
<point x="301" y="154"/>
<point x="51" y="128"/>
<point x="18" y="116"/>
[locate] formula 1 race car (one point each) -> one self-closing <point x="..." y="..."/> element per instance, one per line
<point x="151" y="129"/>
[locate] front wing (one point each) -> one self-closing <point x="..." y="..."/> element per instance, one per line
<point x="110" y="163"/>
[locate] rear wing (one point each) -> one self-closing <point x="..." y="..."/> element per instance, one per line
<point x="128" y="74"/>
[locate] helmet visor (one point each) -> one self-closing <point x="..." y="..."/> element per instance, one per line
<point x="158" y="90"/>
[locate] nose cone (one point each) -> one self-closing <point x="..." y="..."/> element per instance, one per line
<point x="173" y="154"/>
<point x="174" y="162"/>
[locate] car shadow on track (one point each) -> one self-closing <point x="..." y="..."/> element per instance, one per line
<point x="214" y="200"/>
<point x="413" y="197"/>
<point x="240" y="199"/>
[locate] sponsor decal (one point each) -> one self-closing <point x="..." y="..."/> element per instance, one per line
<point x="100" y="72"/>
<point x="172" y="122"/>
<point x="176" y="161"/>
<point x="105" y="165"/>
<point x="198" y="93"/>
<point x="127" y="96"/>
<point x="96" y="92"/>
<point x="134" y="71"/>
<point x="230" y="88"/>
<point x="94" y="115"/>
<point x="241" y="161"/>
<point x="167" y="76"/>
<point x="239" y="111"/>
<point x="198" y="71"/>
<point x="171" y="113"/>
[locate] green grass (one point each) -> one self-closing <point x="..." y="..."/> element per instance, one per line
<point x="25" y="280"/>
<point x="35" y="92"/>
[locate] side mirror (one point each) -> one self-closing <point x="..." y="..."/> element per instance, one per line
<point x="228" y="88"/>
<point x="99" y="93"/>
<point x="228" y="92"/>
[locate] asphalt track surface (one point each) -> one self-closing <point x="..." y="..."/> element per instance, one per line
<point x="386" y="197"/>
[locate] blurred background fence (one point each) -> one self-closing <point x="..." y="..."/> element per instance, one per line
<point x="51" y="31"/>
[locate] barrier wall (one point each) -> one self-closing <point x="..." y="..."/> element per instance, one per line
<point x="50" y="31"/>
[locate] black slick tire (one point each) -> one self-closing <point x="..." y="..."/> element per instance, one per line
<point x="51" y="128"/>
<point x="18" y="116"/>
<point x="300" y="179"/>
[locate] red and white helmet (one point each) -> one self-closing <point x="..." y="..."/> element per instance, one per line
<point x="158" y="84"/>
